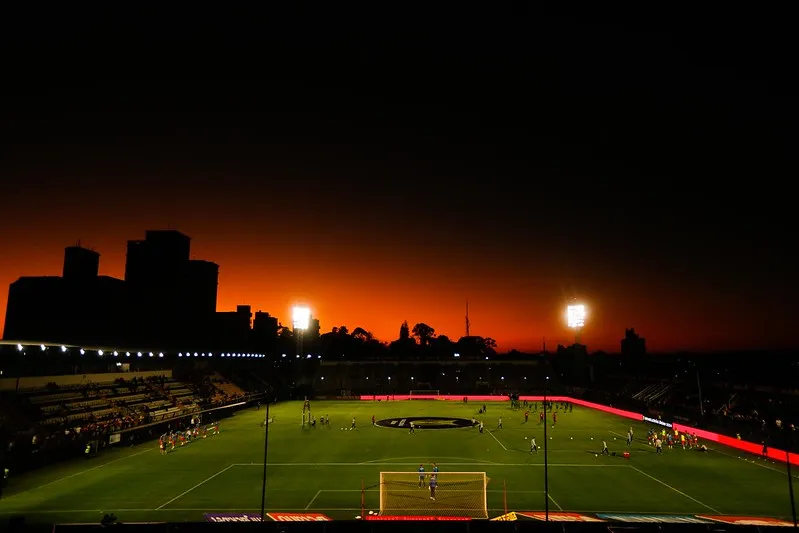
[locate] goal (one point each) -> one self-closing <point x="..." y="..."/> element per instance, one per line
<point x="424" y="394"/>
<point x="460" y="494"/>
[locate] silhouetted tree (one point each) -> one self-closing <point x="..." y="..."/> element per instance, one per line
<point x="405" y="331"/>
<point x="424" y="333"/>
<point x="474" y="346"/>
<point x="284" y="332"/>
<point x="443" y="347"/>
<point x="362" y="335"/>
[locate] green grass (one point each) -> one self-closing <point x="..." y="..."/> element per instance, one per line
<point x="322" y="469"/>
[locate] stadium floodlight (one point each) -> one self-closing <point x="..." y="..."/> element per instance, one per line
<point x="43" y="347"/>
<point x="575" y="315"/>
<point x="575" y="318"/>
<point x="82" y="351"/>
<point x="99" y="352"/>
<point x="116" y="353"/>
<point x="63" y="349"/>
<point x="301" y="317"/>
<point x="19" y="347"/>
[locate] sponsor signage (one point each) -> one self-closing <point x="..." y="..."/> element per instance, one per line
<point x="232" y="517"/>
<point x="425" y="422"/>
<point x="299" y="517"/>
<point x="749" y="520"/>
<point x="510" y="517"/>
<point x="561" y="517"/>
<point x="653" y="518"/>
<point x="420" y="518"/>
<point x="656" y="421"/>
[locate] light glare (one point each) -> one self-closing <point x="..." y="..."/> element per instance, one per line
<point x="301" y="317"/>
<point x="575" y="316"/>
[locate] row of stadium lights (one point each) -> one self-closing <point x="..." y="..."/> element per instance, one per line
<point x="83" y="351"/>
<point x="64" y="349"/>
<point x="209" y="354"/>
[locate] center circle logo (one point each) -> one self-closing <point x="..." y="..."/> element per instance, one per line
<point x="425" y="422"/>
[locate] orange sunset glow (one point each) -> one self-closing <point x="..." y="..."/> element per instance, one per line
<point x="370" y="287"/>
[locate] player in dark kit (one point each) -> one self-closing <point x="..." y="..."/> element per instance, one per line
<point x="433" y="484"/>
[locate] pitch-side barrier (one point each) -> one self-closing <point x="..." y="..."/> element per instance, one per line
<point x="746" y="446"/>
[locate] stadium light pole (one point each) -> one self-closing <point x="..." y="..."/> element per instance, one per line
<point x="266" y="449"/>
<point x="575" y="318"/>
<point x="546" y="460"/>
<point x="788" y="446"/>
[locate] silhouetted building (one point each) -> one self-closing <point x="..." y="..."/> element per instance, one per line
<point x="173" y="299"/>
<point x="264" y="327"/>
<point x="78" y="308"/>
<point x="632" y="343"/>
<point x="80" y="264"/>
<point x="166" y="300"/>
<point x="313" y="330"/>
<point x="233" y="328"/>
<point x="202" y="282"/>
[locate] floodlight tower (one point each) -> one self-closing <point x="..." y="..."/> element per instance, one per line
<point x="575" y="317"/>
<point x="301" y="318"/>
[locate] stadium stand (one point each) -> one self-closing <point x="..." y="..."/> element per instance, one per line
<point x="46" y="419"/>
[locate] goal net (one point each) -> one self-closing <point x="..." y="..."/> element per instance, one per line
<point x="455" y="494"/>
<point x="423" y="394"/>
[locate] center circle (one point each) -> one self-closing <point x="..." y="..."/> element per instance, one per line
<point x="425" y="422"/>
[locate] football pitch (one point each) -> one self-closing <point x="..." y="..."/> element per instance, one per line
<point x="323" y="469"/>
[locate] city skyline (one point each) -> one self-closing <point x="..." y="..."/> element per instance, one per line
<point x="390" y="325"/>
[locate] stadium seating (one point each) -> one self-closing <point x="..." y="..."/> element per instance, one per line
<point x="51" y="421"/>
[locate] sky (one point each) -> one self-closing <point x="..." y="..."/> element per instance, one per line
<point x="382" y="174"/>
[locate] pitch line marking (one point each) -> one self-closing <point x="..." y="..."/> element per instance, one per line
<point x="442" y="464"/>
<point x="379" y="461"/>
<point x="556" y="503"/>
<point x="778" y="470"/>
<point x="201" y="483"/>
<point x="318" y="492"/>
<point x="76" y="474"/>
<point x="653" y="478"/>
<point x="496" y="439"/>
<point x="417" y="490"/>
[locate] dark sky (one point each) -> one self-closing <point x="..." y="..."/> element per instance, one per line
<point x="384" y="167"/>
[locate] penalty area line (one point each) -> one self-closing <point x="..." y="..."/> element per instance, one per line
<point x="496" y="439"/>
<point x="681" y="493"/>
<point x="200" y="484"/>
<point x="318" y="492"/>
<point x="556" y="503"/>
<point x="492" y="465"/>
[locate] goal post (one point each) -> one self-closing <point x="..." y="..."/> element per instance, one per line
<point x="461" y="494"/>
<point x="424" y="394"/>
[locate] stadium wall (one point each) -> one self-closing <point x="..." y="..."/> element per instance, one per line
<point x="749" y="447"/>
<point x="41" y="382"/>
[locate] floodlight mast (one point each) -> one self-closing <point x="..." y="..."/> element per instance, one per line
<point x="575" y="318"/>
<point x="301" y="318"/>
